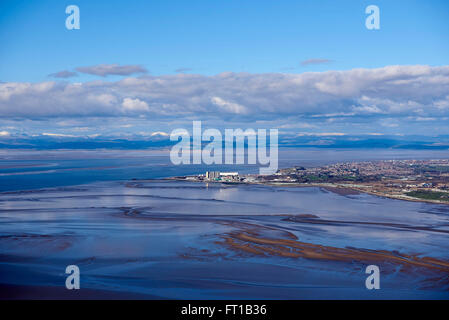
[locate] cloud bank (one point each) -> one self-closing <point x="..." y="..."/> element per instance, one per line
<point x="413" y="91"/>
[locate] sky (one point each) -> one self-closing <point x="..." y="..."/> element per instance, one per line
<point x="135" y="68"/>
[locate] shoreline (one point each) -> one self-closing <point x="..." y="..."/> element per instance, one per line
<point x="335" y="188"/>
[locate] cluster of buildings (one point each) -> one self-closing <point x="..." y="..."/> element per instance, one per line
<point x="386" y="168"/>
<point x="388" y="176"/>
<point x="222" y="176"/>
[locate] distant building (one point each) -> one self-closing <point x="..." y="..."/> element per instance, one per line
<point x="227" y="174"/>
<point x="212" y="175"/>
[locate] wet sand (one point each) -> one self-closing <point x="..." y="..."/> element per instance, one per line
<point x="176" y="240"/>
<point x="296" y="249"/>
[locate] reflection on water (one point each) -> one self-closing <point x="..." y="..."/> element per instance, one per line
<point x="169" y="239"/>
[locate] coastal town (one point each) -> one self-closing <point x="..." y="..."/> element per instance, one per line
<point x="414" y="180"/>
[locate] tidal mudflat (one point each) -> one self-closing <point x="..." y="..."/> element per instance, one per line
<point x="183" y="240"/>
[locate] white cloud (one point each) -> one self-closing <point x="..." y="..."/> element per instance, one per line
<point x="367" y="109"/>
<point x="135" y="105"/>
<point x="383" y="92"/>
<point x="228" y="106"/>
<point x="4" y="133"/>
<point x="425" y="119"/>
<point x="61" y="135"/>
<point x="159" y="133"/>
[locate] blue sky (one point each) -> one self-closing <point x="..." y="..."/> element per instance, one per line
<point x="190" y="45"/>
<point x="209" y="37"/>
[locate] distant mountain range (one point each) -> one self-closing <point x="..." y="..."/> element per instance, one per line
<point x="161" y="141"/>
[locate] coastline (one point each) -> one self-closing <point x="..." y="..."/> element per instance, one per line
<point x="335" y="188"/>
